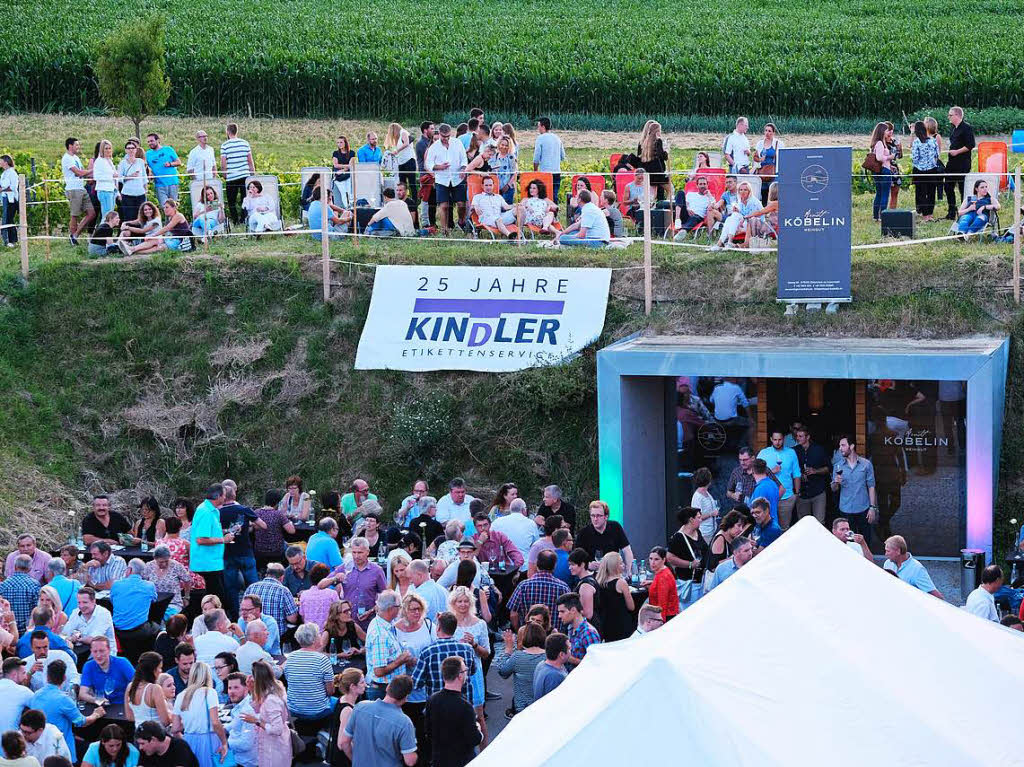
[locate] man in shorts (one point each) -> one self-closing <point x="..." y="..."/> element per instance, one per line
<point x="446" y="159"/>
<point x="74" y="189"/>
<point x="492" y="211"/>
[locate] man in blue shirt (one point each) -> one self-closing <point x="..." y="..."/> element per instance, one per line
<point x="132" y="597"/>
<point x="322" y="546"/>
<point x="907" y="569"/>
<point x="854" y="478"/>
<point x="563" y="543"/>
<point x="162" y="161"/>
<point x="41" y="616"/>
<point x="101" y="668"/>
<point x="765" y="485"/>
<point x="239" y="561"/>
<point x="767" y="529"/>
<point x="61" y="710"/>
<point x="548" y="154"/>
<point x="369" y="152"/>
<point x="783" y="463"/>
<point x="726" y="399"/>
<point x="742" y="551"/>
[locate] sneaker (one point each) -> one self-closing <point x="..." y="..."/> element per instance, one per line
<point x="488" y="695"/>
<point x="10" y="245"/>
<point x="509" y="713"/>
<point x="74" y="240"/>
<point x="124" y="247"/>
<point x="716" y="246"/>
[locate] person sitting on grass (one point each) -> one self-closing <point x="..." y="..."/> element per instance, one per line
<point x="133" y="232"/>
<point x="261" y="213"/>
<point x="492" y="211"/>
<point x="103" y="240"/>
<point x="976" y="209"/>
<point x="609" y="204"/>
<point x="537" y="210"/>
<point x="591" y="231"/>
<point x="208" y="218"/>
<point x="700" y="209"/>
<point x="392" y="219"/>
<point x="171" y="236"/>
<point x="740" y="212"/>
<point x="338" y="219"/>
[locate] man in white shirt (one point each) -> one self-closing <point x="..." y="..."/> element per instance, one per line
<point x="74" y="189"/>
<point x="422" y="584"/>
<point x="446" y="159"/>
<point x="392" y="218"/>
<point x="854" y="541"/>
<point x="202" y="162"/>
<point x="256" y="635"/>
<point x="737" y="148"/>
<point x="41" y="738"/>
<point x="548" y="154"/>
<point x="592" y="226"/>
<point x="492" y="211"/>
<point x="89" y="620"/>
<point x="700" y="209"/>
<point x="519" y="529"/>
<point x="216" y="639"/>
<point x="14" y="694"/>
<point x="982" y="601"/>
<point x="455" y="505"/>
<point x="41" y="657"/>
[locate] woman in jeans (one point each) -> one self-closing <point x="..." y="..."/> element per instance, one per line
<point x="133" y="173"/>
<point x="924" y="154"/>
<point x="9" y="198"/>
<point x="881" y="137"/>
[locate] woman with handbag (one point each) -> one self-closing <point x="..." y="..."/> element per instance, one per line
<point x="879" y="163"/>
<point x="895" y="147"/>
<point x="766" y="155"/>
<point x="274" y="737"/>
<point x="662" y="588"/>
<point x="687" y="550"/>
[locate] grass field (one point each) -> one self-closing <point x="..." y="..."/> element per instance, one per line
<point x="408" y="58"/>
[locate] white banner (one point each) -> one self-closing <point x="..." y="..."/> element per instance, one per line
<point x="493" y="319"/>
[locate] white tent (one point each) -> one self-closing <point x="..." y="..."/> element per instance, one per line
<point x="809" y="655"/>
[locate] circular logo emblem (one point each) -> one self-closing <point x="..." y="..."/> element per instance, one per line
<point x="814" y="179"/>
<point x="711" y="437"/>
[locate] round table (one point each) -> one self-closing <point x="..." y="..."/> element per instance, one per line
<point x="303" y="532"/>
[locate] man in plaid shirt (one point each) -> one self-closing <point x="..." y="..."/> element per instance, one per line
<point x="21" y="590"/>
<point x="581" y="633"/>
<point x="385" y="658"/>
<point x="428" y="668"/>
<point x="278" y="601"/>
<point x="542" y="589"/>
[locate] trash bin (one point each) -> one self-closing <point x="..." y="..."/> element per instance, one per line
<point x="972" y="562"/>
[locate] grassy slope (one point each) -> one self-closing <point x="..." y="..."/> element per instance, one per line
<point x="849" y="59"/>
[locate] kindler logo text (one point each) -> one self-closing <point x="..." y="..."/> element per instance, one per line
<point x="477" y="321"/>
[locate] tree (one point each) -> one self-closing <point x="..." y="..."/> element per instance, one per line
<point x="131" y="71"/>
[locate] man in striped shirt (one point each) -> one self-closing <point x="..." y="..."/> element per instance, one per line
<point x="236" y="164"/>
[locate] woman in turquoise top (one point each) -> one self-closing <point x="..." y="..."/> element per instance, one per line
<point x="112" y="750"/>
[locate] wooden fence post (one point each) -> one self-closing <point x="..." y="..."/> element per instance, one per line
<point x="648" y="281"/>
<point x="23" y="225"/>
<point x="1016" y="235"/>
<point x="325" y="244"/>
<point x="46" y="218"/>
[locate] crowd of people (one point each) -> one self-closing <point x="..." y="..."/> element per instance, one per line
<point x="471" y="177"/>
<point x="243" y="642"/>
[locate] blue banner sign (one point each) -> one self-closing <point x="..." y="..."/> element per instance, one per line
<point x="815" y="201"/>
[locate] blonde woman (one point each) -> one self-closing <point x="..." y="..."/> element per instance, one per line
<point x="398" y="564"/>
<point x="473" y="631"/>
<point x="616" y="600"/>
<point x="195" y="716"/>
<point x="105" y="174"/>
<point x="509" y="131"/>
<point x="271" y="717"/>
<point x="48" y="597"/>
<point x="653" y="153"/>
<point x="740" y="212"/>
<point x="398" y="142"/>
<point x="414" y="632"/>
<point x="210" y="603"/>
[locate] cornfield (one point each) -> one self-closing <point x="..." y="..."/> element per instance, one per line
<point x="410" y="58"/>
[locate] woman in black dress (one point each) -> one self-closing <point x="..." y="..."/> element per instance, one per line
<point x="687" y="552"/>
<point x="616" y="600"/>
<point x="731" y="528"/>
<point x="351" y="683"/>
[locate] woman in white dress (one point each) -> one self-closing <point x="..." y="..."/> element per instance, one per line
<point x="260" y="209"/>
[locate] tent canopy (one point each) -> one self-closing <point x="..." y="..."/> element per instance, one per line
<point x="809" y="654"/>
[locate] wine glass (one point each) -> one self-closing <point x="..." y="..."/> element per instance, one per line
<point x="109" y="688"/>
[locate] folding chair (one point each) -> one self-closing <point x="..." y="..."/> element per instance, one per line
<point x="271" y="190"/>
<point x="475" y="186"/>
<point x="195" y="192"/>
<point x="366" y="183"/>
<point x="304" y="175"/>
<point x="716" y="185"/>
<point x="597" y="184"/>
<point x="992" y="226"/>
<point x="613" y="160"/>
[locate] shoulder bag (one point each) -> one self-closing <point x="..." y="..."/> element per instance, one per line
<point x="871" y="163"/>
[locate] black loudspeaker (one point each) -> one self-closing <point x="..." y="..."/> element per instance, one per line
<point x="898" y="223"/>
<point x="661" y="219"/>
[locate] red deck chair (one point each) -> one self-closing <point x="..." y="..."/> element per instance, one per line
<point x="474" y="186"/>
<point x="992" y="159"/>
